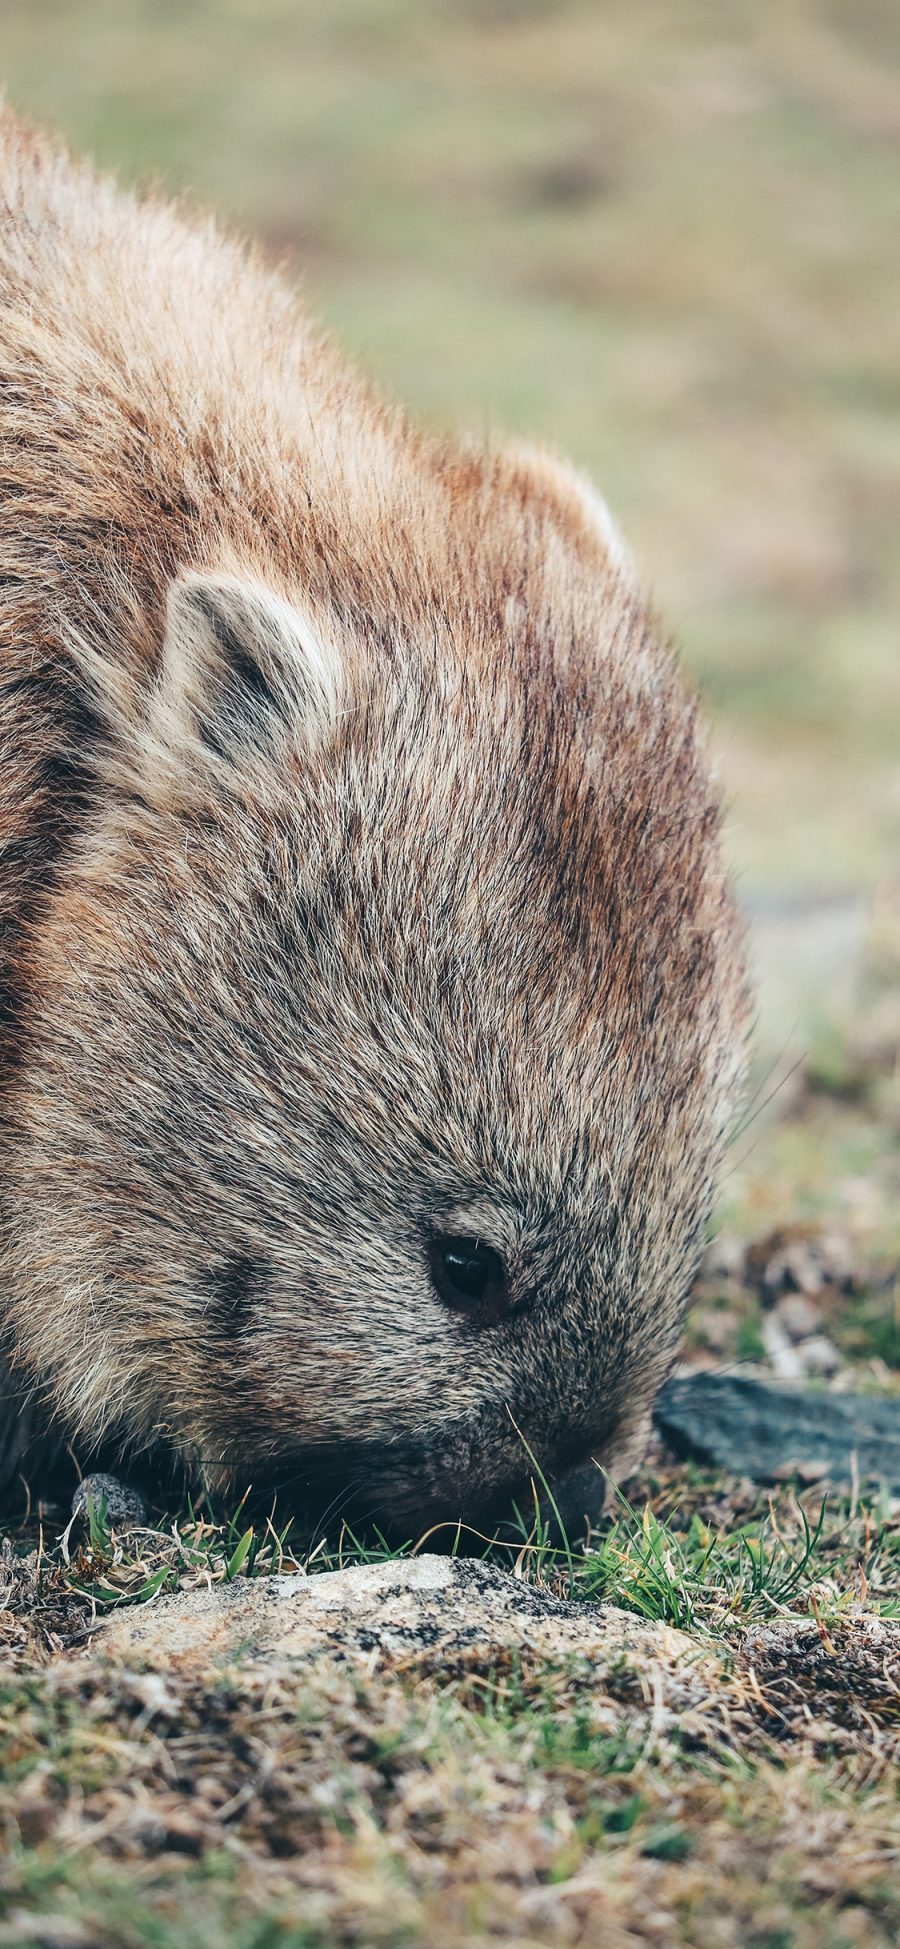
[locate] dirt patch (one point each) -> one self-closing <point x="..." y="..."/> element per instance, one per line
<point x="835" y="1687"/>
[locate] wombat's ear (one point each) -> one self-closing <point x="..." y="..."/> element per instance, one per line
<point x="548" y="477"/>
<point x="243" y="669"/>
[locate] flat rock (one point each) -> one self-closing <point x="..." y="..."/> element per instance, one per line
<point x="771" y="1433"/>
<point x="420" y="1612"/>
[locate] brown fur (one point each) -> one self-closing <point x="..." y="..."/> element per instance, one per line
<point x="359" y="880"/>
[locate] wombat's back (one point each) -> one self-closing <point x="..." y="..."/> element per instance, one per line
<point x="163" y="401"/>
<point x="159" y="390"/>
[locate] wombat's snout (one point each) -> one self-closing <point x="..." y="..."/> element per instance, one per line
<point x="585" y="1491"/>
<point x="579" y="1499"/>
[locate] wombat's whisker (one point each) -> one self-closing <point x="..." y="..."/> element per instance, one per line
<point x="751" y="1118"/>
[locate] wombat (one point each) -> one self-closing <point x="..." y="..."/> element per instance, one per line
<point x="372" y="1004"/>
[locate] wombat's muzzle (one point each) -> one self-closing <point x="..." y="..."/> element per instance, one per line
<point x="572" y="1502"/>
<point x="578" y="1501"/>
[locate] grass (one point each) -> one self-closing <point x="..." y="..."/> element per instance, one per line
<point x="255" y="1805"/>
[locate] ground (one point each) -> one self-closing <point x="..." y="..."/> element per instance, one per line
<point x="663" y="239"/>
<point x="722" y="1773"/>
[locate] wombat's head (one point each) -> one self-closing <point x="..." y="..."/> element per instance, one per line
<point x="388" y="1026"/>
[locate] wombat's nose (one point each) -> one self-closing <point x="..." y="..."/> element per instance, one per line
<point x="579" y="1496"/>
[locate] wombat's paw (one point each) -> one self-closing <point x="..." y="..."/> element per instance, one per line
<point x="125" y="1509"/>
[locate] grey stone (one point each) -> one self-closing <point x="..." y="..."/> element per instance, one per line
<point x="786" y="1359"/>
<point x="724" y="1259"/>
<point x="767" y="1432"/>
<point x="820" y="1356"/>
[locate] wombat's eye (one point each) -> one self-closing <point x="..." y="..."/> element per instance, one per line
<point x="468" y="1275"/>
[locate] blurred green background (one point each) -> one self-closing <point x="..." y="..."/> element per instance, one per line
<point x="663" y="237"/>
<point x="666" y="238"/>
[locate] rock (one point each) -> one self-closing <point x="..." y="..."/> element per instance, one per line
<point x="413" y="1612"/>
<point x="820" y="1679"/>
<point x="768" y="1432"/>
<point x="28" y="1931"/>
<point x="724" y="1259"/>
<point x="793" y="1344"/>
<point x="721" y="1329"/>
<point x="125" y="1509"/>
<point x="437" y="1618"/>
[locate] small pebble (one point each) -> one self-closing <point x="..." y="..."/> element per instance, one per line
<point x="125" y="1509"/>
<point x="720" y="1330"/>
<point x="820" y="1356"/>
<point x="799" y="1316"/>
<point x="786" y="1359"/>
